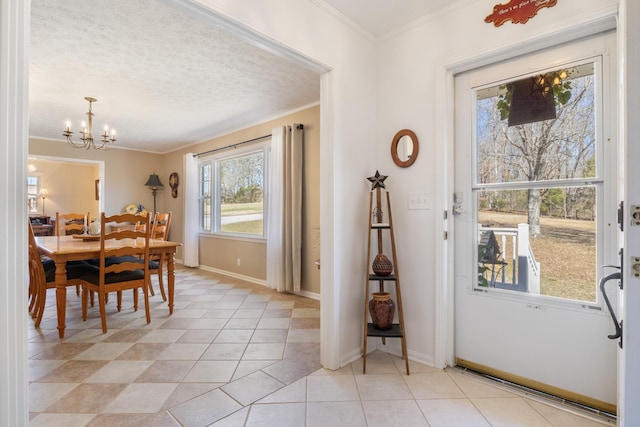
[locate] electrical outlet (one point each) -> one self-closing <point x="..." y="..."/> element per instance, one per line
<point x="419" y="200"/>
<point x="238" y="262"/>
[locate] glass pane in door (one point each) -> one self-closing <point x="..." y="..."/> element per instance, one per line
<point x="560" y="261"/>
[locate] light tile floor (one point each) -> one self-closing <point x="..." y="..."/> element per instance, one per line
<point x="238" y="354"/>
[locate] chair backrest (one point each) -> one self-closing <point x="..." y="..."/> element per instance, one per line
<point x="71" y="223"/>
<point x="131" y="246"/>
<point x="161" y="225"/>
<point x="37" y="277"/>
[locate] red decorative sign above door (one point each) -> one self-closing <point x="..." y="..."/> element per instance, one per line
<point x="518" y="11"/>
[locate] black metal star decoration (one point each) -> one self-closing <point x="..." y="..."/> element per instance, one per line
<point x="377" y="181"/>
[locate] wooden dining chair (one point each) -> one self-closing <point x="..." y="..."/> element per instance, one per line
<point x="123" y="265"/>
<point x="42" y="274"/>
<point x="71" y="223"/>
<point x="159" y="231"/>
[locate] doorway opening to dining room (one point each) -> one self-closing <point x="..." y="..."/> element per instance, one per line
<point x="66" y="185"/>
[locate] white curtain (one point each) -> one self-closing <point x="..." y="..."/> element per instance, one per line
<point x="191" y="220"/>
<point x="284" y="212"/>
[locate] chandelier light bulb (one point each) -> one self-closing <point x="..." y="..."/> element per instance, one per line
<point x="87" y="133"/>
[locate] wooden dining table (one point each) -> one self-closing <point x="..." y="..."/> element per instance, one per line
<point x="62" y="249"/>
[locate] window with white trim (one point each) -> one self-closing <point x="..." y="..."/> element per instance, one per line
<point x="232" y="188"/>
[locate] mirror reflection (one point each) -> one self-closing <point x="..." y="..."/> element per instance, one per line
<point x="404" y="148"/>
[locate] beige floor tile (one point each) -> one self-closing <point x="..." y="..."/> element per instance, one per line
<point x="73" y="371"/>
<point x="187" y="391"/>
<point x="40" y="368"/>
<point x="304" y="335"/>
<point x="566" y="417"/>
<point x="264" y="351"/>
<point x="248" y="313"/>
<point x="269" y="335"/>
<point x="274" y="323"/>
<point x="255" y="386"/>
<point x="61" y="420"/>
<point x="276" y="415"/>
<point x="42" y="395"/>
<point x="233" y="336"/>
<point x="331" y="388"/>
<point x="436" y="385"/>
<point x="478" y="387"/>
<point x="241" y="323"/>
<point x="506" y="412"/>
<point x="246" y="367"/>
<point x="165" y="371"/>
<point x="382" y="387"/>
<point x="273" y="369"/>
<point x="214" y="371"/>
<point x="394" y="413"/>
<point x="143" y="351"/>
<point x="224" y="351"/>
<point x="205" y="336"/>
<point x="162" y="335"/>
<point x="306" y="312"/>
<point x="322" y="414"/>
<point x="292" y="393"/>
<point x="161" y="419"/>
<point x="104" y="351"/>
<point x="205" y="409"/>
<point x="378" y="362"/>
<point x="119" y="371"/>
<point x="206" y="323"/>
<point x="178" y="351"/>
<point x="452" y="413"/>
<point x="87" y="398"/>
<point x="141" y="398"/>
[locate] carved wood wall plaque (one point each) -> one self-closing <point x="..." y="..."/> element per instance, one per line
<point x="517" y="11"/>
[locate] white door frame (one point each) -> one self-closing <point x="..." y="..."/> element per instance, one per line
<point x="448" y="67"/>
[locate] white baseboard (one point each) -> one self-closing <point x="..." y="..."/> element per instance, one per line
<point x="234" y="275"/>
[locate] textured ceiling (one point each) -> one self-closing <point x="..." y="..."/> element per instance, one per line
<point x="163" y="79"/>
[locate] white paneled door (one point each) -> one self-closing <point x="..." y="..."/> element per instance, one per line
<point x="535" y="219"/>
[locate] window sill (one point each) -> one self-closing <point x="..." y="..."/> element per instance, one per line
<point x="236" y="237"/>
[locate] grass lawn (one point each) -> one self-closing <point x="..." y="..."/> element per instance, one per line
<point x="565" y="249"/>
<point x="248" y="227"/>
<point x="228" y="209"/>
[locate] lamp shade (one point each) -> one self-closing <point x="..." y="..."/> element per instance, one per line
<point x="154" y="181"/>
<point x="44" y="193"/>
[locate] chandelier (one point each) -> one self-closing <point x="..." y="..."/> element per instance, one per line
<point x="87" y="135"/>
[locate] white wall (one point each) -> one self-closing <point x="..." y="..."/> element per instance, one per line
<point x="410" y="72"/>
<point x="348" y="148"/>
<point x="412" y="68"/>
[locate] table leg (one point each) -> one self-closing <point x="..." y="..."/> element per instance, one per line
<point x="170" y="279"/>
<point x="61" y="296"/>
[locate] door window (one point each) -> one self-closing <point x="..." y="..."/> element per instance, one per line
<point x="537" y="183"/>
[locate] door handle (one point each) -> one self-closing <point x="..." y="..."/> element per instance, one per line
<point x="618" y="325"/>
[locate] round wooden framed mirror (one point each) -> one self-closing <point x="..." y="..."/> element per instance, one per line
<point x="404" y="148"/>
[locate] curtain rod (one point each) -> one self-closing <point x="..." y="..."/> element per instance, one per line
<point x="238" y="143"/>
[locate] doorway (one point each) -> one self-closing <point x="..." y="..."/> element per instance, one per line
<point x="535" y="219"/>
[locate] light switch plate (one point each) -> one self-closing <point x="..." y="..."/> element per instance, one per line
<point x="419" y="200"/>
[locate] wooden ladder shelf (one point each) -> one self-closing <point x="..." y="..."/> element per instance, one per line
<point x="397" y="330"/>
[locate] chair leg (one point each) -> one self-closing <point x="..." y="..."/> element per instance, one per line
<point x="41" y="300"/>
<point x="146" y="305"/>
<point x="103" y="310"/>
<point x="85" y="298"/>
<point x="150" y="285"/>
<point x="120" y="300"/>
<point x="135" y="296"/>
<point x="160" y="281"/>
<point x="78" y="290"/>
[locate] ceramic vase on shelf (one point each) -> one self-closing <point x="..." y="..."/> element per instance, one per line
<point x="382" y="266"/>
<point x="382" y="309"/>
